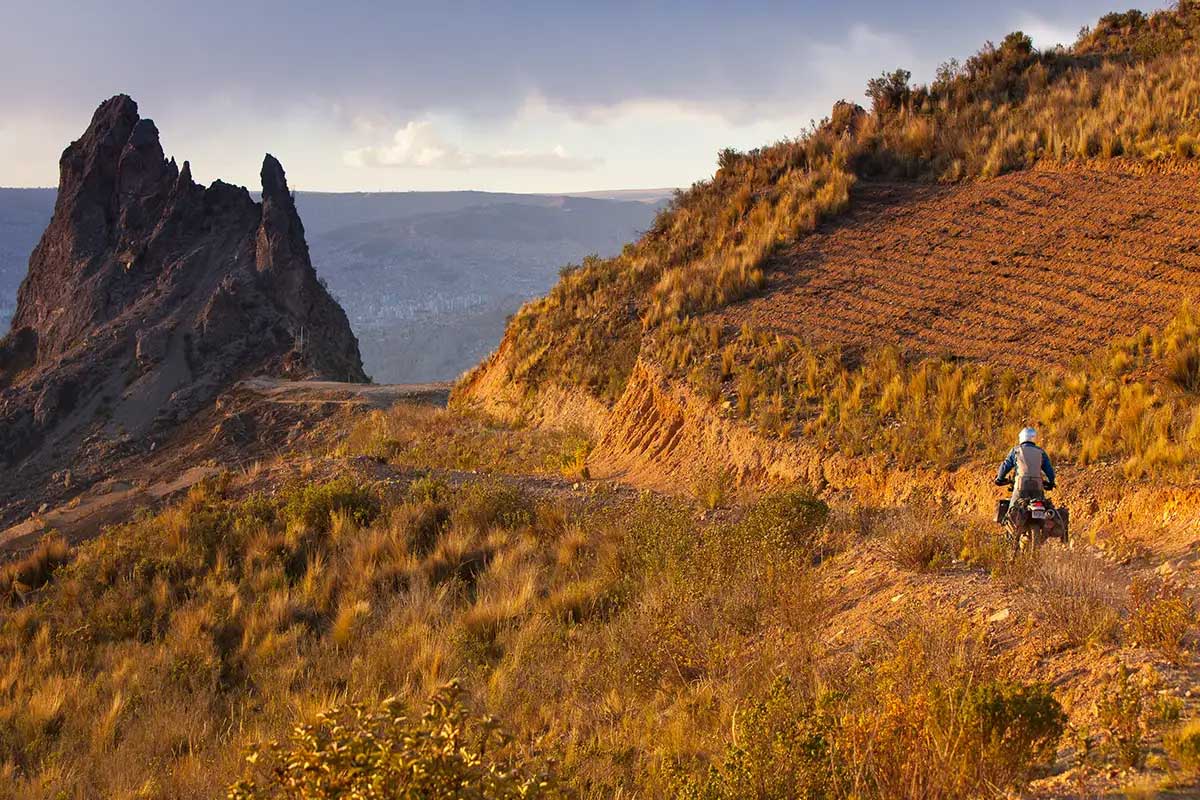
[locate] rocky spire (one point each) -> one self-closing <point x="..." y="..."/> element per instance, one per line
<point x="158" y="293"/>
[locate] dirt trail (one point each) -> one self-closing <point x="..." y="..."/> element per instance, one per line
<point x="1030" y="268"/>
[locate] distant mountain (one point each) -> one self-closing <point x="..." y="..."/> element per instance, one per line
<point x="23" y="216"/>
<point x="428" y="294"/>
<point x="427" y="278"/>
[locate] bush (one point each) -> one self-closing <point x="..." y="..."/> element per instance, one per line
<point x="313" y="506"/>
<point x="784" y="749"/>
<point x="1019" y="724"/>
<point x="381" y="753"/>
<point x="1161" y="616"/>
<point x="1119" y="712"/>
<point x="35" y="570"/>
<point x="1076" y="595"/>
<point x="492" y="504"/>
<point x="428" y="490"/>
<point x="788" y="520"/>
<point x="1183" y="744"/>
<point x="918" y="539"/>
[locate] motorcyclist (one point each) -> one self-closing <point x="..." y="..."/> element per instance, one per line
<point x="1034" y="472"/>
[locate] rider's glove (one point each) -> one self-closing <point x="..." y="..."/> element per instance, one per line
<point x="1049" y="487"/>
<point x="1000" y="481"/>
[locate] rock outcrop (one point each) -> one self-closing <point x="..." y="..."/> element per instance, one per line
<point x="148" y="296"/>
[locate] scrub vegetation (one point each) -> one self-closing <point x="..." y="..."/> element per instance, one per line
<point x="1133" y="403"/>
<point x="1123" y="95"/>
<point x="481" y="640"/>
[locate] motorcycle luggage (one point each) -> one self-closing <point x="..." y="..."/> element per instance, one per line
<point x="1001" y="511"/>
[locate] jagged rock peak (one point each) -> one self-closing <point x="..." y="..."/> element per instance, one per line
<point x="274" y="181"/>
<point x="154" y="295"/>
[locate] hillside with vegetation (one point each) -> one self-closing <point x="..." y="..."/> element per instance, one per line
<point x="714" y="521"/>
<point x="1117" y="103"/>
<point x="438" y="605"/>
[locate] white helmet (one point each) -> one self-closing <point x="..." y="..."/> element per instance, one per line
<point x="1027" y="435"/>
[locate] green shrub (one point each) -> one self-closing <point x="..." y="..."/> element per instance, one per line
<point x="788" y="520"/>
<point x="1183" y="744"/>
<point x="784" y="749"/>
<point x="1019" y="726"/>
<point x="312" y="506"/>
<point x="428" y="490"/>
<point x="491" y="504"/>
<point x="1119" y="712"/>
<point x="381" y="753"/>
<point x="1161" y="616"/>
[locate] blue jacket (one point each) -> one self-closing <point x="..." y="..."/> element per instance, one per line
<point x="1010" y="463"/>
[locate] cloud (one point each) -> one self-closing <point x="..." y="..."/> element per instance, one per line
<point x="419" y="144"/>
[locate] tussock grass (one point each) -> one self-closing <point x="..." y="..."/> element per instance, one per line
<point x="19" y="578"/>
<point x="1119" y="405"/>
<point x="919" y="538"/>
<point x="1076" y="595"/>
<point x="617" y="645"/>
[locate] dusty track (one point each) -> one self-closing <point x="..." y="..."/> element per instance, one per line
<point x="1033" y="267"/>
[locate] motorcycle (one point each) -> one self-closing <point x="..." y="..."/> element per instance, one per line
<point x="1031" y="521"/>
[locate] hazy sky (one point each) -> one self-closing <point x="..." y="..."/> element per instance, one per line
<point x="529" y="97"/>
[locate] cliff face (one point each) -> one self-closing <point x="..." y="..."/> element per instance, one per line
<point x="149" y="295"/>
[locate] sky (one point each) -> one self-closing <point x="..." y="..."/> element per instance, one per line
<point x="517" y="96"/>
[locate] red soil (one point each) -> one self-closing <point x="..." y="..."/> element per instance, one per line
<point x="1033" y="267"/>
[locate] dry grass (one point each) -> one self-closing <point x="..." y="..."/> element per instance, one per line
<point x="620" y="642"/>
<point x="1161" y="616"/>
<point x="920" y="538"/>
<point x="1118" y="405"/>
<point x="422" y="436"/>
<point x="1076" y="595"/>
<point x="18" y="579"/>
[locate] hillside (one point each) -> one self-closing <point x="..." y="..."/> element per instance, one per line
<point x="1028" y="270"/>
<point x="1037" y="191"/>
<point x="715" y="519"/>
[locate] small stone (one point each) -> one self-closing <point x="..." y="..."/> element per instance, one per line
<point x="897" y="598"/>
<point x="1000" y="615"/>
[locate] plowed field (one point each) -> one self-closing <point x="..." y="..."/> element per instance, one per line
<point x="1033" y="267"/>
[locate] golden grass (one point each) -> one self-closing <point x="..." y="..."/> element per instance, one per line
<point x="1121" y="405"/>
<point x="422" y="436"/>
<point x="619" y="644"/>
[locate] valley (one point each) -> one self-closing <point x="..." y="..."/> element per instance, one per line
<point x="427" y="278"/>
<point x="713" y="520"/>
